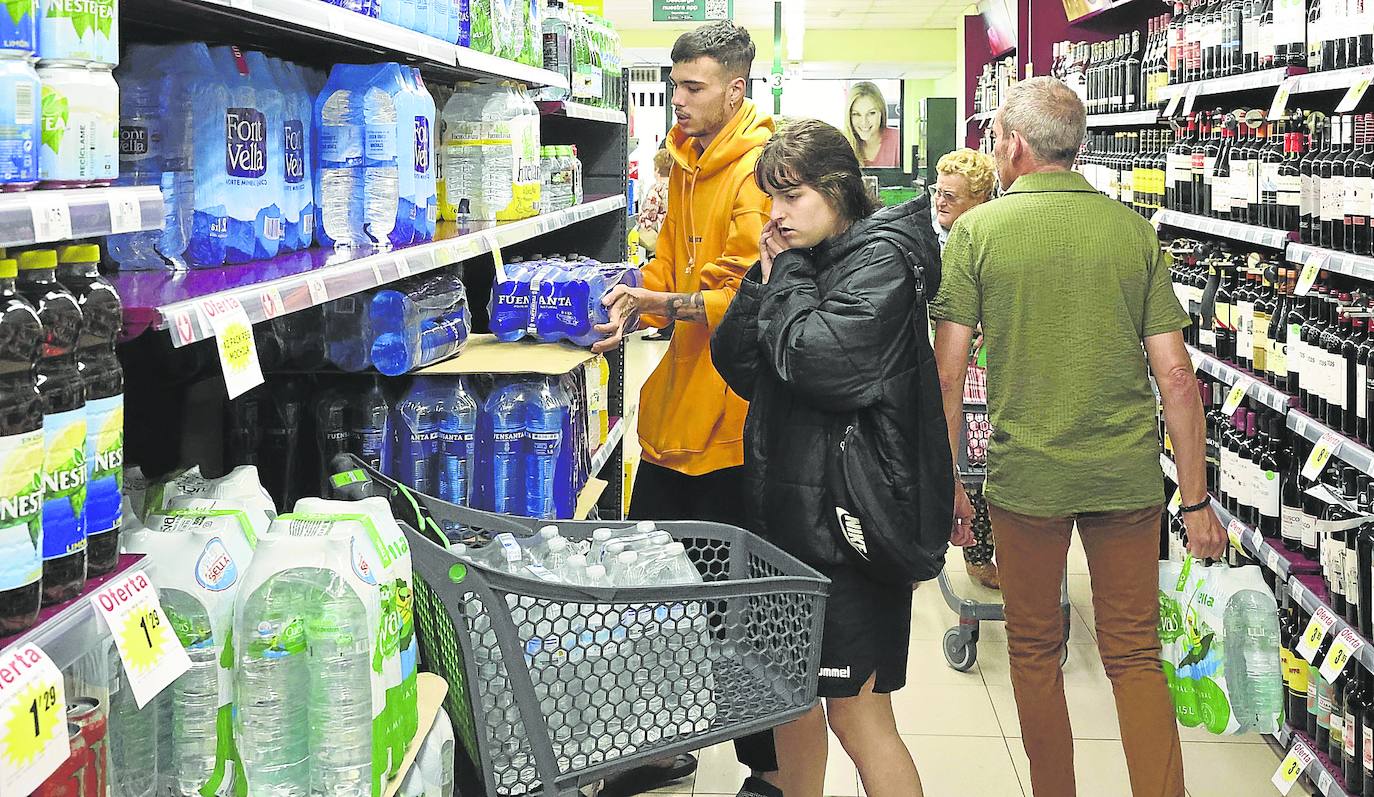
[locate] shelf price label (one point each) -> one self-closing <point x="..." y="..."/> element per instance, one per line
<point x="1322" y="452"/>
<point x="402" y="267"/>
<point x="1237" y="395"/>
<point x="126" y="214"/>
<point x="1317" y="628"/>
<point x="1315" y="263"/>
<point x="1271" y="558"/>
<point x="52" y="216"/>
<point x="1193" y="91"/>
<point x="1281" y="96"/>
<point x="33" y="720"/>
<point x="1324" y="782"/>
<point x="1346" y="647"/>
<point x="497" y="260"/>
<point x="1299" y="758"/>
<point x="238" y="352"/>
<point x="1355" y="93"/>
<point x="318" y="294"/>
<point x="1236" y="531"/>
<point x="152" y="655"/>
<point x="271" y="302"/>
<point x="1176" y="503"/>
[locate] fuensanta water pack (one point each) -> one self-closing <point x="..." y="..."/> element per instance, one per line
<point x="197" y="565"/>
<point x="557" y="299"/>
<point x="379" y="542"/>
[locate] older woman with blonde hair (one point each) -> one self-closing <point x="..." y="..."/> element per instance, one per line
<point x="966" y="179"/>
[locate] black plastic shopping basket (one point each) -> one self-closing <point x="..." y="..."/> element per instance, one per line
<point x="564" y="685"/>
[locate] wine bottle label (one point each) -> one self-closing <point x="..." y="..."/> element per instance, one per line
<point x="1260" y="343"/>
<point x="1252" y="182"/>
<point x="1278" y="358"/>
<point x="1337" y="185"/>
<point x="1337" y="567"/>
<point x="1352" y="573"/>
<point x="1308" y="198"/>
<point x="1348" y="736"/>
<point x="1361" y="390"/>
<point x="1289" y="191"/>
<point x="1365" y="205"/>
<point x="1368" y="734"/>
<point x="1271" y="493"/>
<point x="1290" y="524"/>
<point x="1308" y="531"/>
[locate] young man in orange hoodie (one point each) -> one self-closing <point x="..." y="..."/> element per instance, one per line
<point x="691" y="426"/>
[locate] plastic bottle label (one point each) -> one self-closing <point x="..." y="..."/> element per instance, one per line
<point x="104" y="464"/>
<point x="544" y="444"/>
<point x="245" y="143"/>
<point x="424" y="146"/>
<point x="64" y="483"/>
<point x="294" y="138"/>
<point x="21" y="509"/>
<point x="341" y="145"/>
<point x="380" y="143"/>
<point x="136" y="143"/>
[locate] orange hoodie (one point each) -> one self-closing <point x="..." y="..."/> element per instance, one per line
<point x="689" y="420"/>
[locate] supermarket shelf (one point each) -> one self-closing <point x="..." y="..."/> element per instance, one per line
<point x="1311" y="595"/>
<point x="1321" y="772"/>
<point x="325" y="22"/>
<point x="70" y="630"/>
<point x="1349" y="451"/>
<point x="30" y="217"/>
<point x="1127" y="119"/>
<point x="1339" y="262"/>
<point x="577" y="110"/>
<point x="1281" y="562"/>
<point x="1261" y="236"/>
<point x="1330" y="80"/>
<point x="1257" y="388"/>
<point x="613" y="439"/>
<point x="984" y="117"/>
<point x="294" y="282"/>
<point x="1105" y="8"/>
<point x="431" y="691"/>
<point x="1265" y="79"/>
<point x="484" y="354"/>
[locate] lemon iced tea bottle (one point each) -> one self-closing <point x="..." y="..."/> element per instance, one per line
<point x="21" y="458"/>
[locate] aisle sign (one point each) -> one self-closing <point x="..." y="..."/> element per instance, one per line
<point x="1310" y="270"/>
<point x="1317" y="627"/>
<point x="238" y="352"/>
<point x="1346" y="647"/>
<point x="1237" y="395"/>
<point x="126" y="214"/>
<point x="153" y="656"/>
<point x="33" y="720"/>
<point x="1322" y="452"/>
<point x="693" y="10"/>
<point x="1292" y="767"/>
<point x="1355" y="93"/>
<point x="52" y="217"/>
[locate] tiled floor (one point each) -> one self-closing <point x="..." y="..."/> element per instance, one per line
<point x="962" y="728"/>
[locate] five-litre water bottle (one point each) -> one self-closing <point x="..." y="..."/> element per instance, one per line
<point x="546" y="414"/>
<point x="1253" y="677"/>
<point x="298" y="201"/>
<point x="272" y="682"/>
<point x="457" y="444"/>
<point x="340" y="694"/>
<point x="133" y="736"/>
<point x="253" y="183"/>
<point x="381" y="190"/>
<point x="194" y="697"/>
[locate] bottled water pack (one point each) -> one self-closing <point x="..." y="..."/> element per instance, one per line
<point x="557" y="299"/>
<point x="524" y="461"/>
<point x="419" y="322"/>
<point x="436" y="432"/>
<point x="491" y="153"/>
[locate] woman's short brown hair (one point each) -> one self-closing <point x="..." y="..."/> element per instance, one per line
<point x="812" y="153"/>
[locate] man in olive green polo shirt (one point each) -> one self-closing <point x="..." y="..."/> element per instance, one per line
<point x="1074" y="299"/>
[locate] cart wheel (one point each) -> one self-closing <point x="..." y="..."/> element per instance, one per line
<point x="959" y="653"/>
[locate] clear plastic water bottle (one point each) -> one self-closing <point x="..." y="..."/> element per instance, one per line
<point x="369" y="417"/>
<point x="298" y="207"/>
<point x="381" y="189"/>
<point x="133" y="737"/>
<point x="1253" y="677"/>
<point x="140" y="152"/>
<point x="506" y="416"/>
<point x="348" y="332"/>
<point x="417" y="433"/>
<point x="194" y="697"/>
<point x="457" y="445"/>
<point x="340" y="702"/>
<point x="271" y="675"/>
<point x="340" y="133"/>
<point x="546" y="413"/>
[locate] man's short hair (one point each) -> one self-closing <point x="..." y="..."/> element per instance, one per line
<point x="724" y="41"/>
<point x="1048" y="115"/>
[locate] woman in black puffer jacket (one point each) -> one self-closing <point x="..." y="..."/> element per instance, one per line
<point x="827" y="324"/>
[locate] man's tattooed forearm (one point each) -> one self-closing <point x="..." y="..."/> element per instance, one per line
<point x="687" y="307"/>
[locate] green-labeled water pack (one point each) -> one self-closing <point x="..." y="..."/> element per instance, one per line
<point x="241" y="483"/>
<point x="1218" y="627"/>
<point x="198" y="563"/>
<point x="381" y="542"/>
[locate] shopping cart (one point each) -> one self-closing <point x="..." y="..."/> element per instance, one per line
<point x="961" y="641"/>
<point x="554" y="687"/>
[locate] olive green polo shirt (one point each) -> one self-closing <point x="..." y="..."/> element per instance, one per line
<point x="1066" y="283"/>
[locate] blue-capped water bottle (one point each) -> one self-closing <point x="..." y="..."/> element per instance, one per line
<point x="506" y="424"/>
<point x="457" y="444"/>
<point x="546" y="414"/>
<point x="417" y="435"/>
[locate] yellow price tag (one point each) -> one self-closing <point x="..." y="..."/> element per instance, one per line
<point x="1176" y="503"/>
<point x="153" y="656"/>
<point x="1321" y="454"/>
<point x="1354" y="94"/>
<point x="1312" y="636"/>
<point x="1281" y="96"/>
<point x="1236" y="396"/>
<point x="1310" y="270"/>
<point x="144" y="638"/>
<point x="33" y="720"/>
<point x="1346" y="647"/>
<point x="1292" y="767"/>
<point x="238" y="351"/>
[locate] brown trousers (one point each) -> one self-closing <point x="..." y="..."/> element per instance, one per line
<point x="1123" y="555"/>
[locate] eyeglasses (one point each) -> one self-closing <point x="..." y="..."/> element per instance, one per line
<point x="948" y="196"/>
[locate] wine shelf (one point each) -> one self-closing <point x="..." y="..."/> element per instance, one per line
<point x="1248" y="233"/>
<point x="1264" y="79"/>
<point x="1319" y="772"/>
<point x="1255" y="387"/>
<point x="1340" y="262"/>
<point x="1309" y="592"/>
<point x="1348" y="450"/>
<point x="1126" y="119"/>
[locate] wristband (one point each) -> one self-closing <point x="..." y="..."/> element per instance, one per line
<point x="1198" y="507"/>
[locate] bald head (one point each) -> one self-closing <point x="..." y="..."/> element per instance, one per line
<point x="1048" y="115"/>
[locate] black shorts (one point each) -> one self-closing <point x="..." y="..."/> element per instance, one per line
<point x="867" y="631"/>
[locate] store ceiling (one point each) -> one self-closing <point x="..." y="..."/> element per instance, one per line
<point x="820" y="14"/>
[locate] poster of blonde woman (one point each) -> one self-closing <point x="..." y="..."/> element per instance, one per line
<point x="877" y="144"/>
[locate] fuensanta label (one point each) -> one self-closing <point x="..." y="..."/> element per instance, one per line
<point x="33" y="720"/>
<point x="152" y="655"/>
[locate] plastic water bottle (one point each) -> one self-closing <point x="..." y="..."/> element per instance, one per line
<point x="458" y="445"/>
<point x="506" y="418"/>
<point x="133" y="737"/>
<point x="340" y="702"/>
<point x="419" y="323"/>
<point x="381" y="190"/>
<point x="369" y="417"/>
<point x="271" y="675"/>
<point x="511" y="300"/>
<point x="348" y="332"/>
<point x="464" y="151"/>
<point x="194" y="698"/>
<point x="417" y="432"/>
<point x="140" y="152"/>
<point x="298" y="201"/>
<point x="546" y="413"/>
<point x="252" y="186"/>
<point x="273" y="101"/>
<point x="426" y="162"/>
<point x="339" y="140"/>
<point x="1253" y="677"/>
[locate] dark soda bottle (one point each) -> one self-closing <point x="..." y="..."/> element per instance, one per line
<point x="64" y="426"/>
<point x="21" y="458"/>
<point x="102" y="315"/>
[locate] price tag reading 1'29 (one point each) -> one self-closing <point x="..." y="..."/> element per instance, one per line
<point x="153" y="656"/>
<point x="33" y="720"/>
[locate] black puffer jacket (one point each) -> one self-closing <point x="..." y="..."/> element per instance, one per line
<point x="833" y="331"/>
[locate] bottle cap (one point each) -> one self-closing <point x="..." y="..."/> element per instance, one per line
<point x="627" y="557"/>
<point x="548" y="532"/>
<point x="645" y="527"/>
<point x="596" y="572"/>
<point x="78" y="253"/>
<point x="9" y="267"/>
<point x="577" y="560"/>
<point x="37" y="259"/>
<point x="557" y="544"/>
<point x="601" y="535"/>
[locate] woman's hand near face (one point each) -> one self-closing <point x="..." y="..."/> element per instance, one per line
<point x="770" y="246"/>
